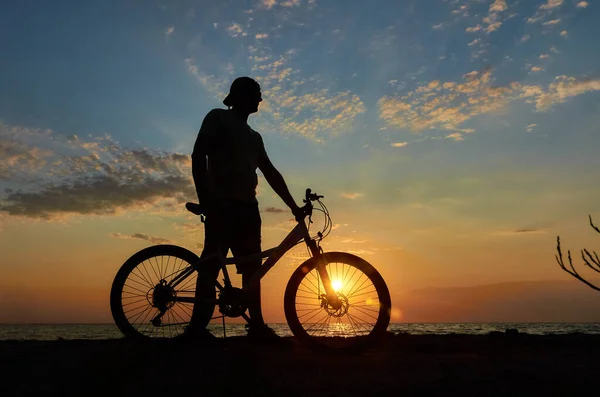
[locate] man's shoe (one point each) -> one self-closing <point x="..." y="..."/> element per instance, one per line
<point x="198" y="334"/>
<point x="263" y="334"/>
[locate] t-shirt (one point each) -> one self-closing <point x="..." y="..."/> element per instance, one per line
<point x="233" y="153"/>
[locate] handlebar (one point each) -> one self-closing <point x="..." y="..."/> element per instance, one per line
<point x="305" y="211"/>
<point x="309" y="196"/>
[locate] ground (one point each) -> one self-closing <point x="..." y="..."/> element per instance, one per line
<point x="406" y="365"/>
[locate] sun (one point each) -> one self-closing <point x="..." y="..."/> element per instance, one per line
<point x="337" y="285"/>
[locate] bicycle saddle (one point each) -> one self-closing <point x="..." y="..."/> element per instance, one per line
<point x="194" y="208"/>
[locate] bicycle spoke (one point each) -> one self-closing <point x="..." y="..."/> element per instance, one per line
<point x="138" y="315"/>
<point x="306" y="297"/>
<point x="317" y="323"/>
<point x="366" y="314"/>
<point x="133" y="303"/>
<point x="305" y="291"/>
<point x="139" y="290"/>
<point x="311" y="311"/>
<point x="141" y="285"/>
<point x="364" y="293"/>
<point x="355" y="282"/>
<point x="135" y="308"/>
<point x="141" y="276"/>
<point x="311" y="317"/>
<point x="317" y="288"/>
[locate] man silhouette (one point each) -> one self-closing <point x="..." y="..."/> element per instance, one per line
<point x="226" y="155"/>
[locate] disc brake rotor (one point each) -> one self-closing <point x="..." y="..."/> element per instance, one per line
<point x="333" y="311"/>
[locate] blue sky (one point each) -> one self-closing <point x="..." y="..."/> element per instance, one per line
<point x="433" y="127"/>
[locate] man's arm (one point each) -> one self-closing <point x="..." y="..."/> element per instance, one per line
<point x="276" y="181"/>
<point x="202" y="148"/>
<point x="199" y="168"/>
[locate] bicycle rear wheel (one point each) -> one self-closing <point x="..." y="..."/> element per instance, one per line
<point x="365" y="303"/>
<point x="141" y="291"/>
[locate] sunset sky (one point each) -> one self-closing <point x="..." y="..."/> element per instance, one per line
<point x="453" y="141"/>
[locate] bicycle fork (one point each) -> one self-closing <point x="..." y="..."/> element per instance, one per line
<point x="330" y="294"/>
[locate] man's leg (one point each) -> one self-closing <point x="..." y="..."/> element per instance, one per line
<point x="246" y="241"/>
<point x="205" y="290"/>
<point x="254" y="301"/>
<point x="207" y="274"/>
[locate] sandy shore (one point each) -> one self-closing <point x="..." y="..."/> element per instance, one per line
<point x="499" y="364"/>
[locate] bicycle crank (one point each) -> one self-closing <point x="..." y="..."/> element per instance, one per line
<point x="233" y="302"/>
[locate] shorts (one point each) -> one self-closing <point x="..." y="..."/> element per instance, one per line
<point x="235" y="226"/>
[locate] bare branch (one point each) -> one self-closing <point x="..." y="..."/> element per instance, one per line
<point x="595" y="266"/>
<point x="592" y="224"/>
<point x="590" y="261"/>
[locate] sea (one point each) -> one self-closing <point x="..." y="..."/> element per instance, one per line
<point x="110" y="331"/>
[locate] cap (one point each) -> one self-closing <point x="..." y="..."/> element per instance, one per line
<point x="238" y="88"/>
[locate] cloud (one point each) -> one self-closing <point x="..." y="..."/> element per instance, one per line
<point x="447" y="105"/>
<point x="561" y="90"/>
<point x="268" y="4"/>
<point x="353" y="241"/>
<point x="536" y="69"/>
<point x="552" y="22"/>
<point x="544" y="10"/>
<point x="292" y="104"/>
<point x="529" y="128"/>
<point x="523" y="232"/>
<point x="20" y="160"/>
<point x="444" y="105"/>
<point x="456" y="136"/>
<point x="273" y="210"/>
<point x="352" y="196"/>
<point x="550" y="4"/>
<point x="582" y="4"/>
<point x="54" y="176"/>
<point x="141" y="236"/>
<point x="259" y="36"/>
<point x="399" y="144"/>
<point x="235" y="30"/>
<point x="493" y="20"/>
<point x="438" y="26"/>
<point x="526" y="301"/>
<point x="498" y="6"/>
<point x="564" y="33"/>
<point x="169" y="31"/>
<point x="290" y="3"/>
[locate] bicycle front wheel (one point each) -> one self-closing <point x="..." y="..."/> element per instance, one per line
<point x="143" y="303"/>
<point x="359" y="319"/>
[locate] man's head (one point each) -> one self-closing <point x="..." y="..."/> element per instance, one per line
<point x="244" y="94"/>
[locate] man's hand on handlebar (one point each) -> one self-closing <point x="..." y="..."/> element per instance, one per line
<point x="301" y="212"/>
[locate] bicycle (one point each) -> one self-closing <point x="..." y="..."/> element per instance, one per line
<point x="332" y="300"/>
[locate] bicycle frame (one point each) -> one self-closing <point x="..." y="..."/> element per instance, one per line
<point x="299" y="232"/>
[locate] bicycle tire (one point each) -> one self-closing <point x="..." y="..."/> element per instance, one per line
<point x="348" y="332"/>
<point x="144" y="270"/>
